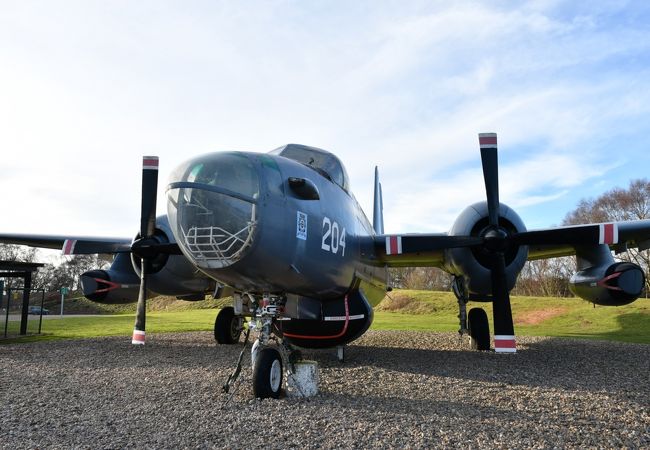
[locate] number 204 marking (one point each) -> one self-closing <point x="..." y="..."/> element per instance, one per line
<point x="333" y="238"/>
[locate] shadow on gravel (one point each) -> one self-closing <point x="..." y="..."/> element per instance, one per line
<point x="163" y="351"/>
<point x="594" y="366"/>
<point x="464" y="409"/>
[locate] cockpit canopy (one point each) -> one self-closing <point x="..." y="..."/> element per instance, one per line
<point x="211" y="205"/>
<point x="320" y="160"/>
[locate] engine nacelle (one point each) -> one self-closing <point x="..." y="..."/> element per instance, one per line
<point x="610" y="285"/>
<point x="474" y="263"/>
<point x="171" y="275"/>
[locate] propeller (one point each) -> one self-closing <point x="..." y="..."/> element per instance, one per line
<point x="496" y="242"/>
<point x="145" y="246"/>
<point x="488" y="144"/>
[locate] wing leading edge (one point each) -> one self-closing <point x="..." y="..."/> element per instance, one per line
<point x="70" y="245"/>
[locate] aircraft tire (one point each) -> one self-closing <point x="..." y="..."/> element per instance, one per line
<point x="267" y="374"/>
<point x="226" y="326"/>
<point x="479" y="329"/>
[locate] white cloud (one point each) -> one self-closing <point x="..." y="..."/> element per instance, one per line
<point x="91" y="86"/>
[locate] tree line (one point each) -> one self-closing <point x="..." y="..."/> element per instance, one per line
<point x="53" y="276"/>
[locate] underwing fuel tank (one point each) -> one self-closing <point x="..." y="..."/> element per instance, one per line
<point x="119" y="284"/>
<point x="610" y="285"/>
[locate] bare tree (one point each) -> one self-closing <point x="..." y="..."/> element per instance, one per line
<point x="10" y="252"/>
<point x="423" y="278"/>
<point x="66" y="274"/>
<point x="18" y="253"/>
<point x="546" y="278"/>
<point x="51" y="277"/>
<point x="614" y="205"/>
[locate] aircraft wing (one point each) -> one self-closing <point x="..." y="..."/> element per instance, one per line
<point x="562" y="241"/>
<point x="70" y="245"/>
<point x="428" y="249"/>
<point x="407" y="250"/>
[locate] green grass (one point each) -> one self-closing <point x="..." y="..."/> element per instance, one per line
<point x="407" y="310"/>
<point x="118" y="325"/>
<point x="533" y="316"/>
<point x="13" y="327"/>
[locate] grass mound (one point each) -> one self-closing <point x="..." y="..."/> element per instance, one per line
<point x="418" y="302"/>
<point x="533" y="316"/>
<point x="81" y="305"/>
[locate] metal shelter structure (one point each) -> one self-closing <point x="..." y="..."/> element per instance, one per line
<point x="24" y="270"/>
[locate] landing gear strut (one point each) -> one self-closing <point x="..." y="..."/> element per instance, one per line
<point x="460" y="291"/>
<point x="271" y="355"/>
<point x="475" y="324"/>
<point x="269" y="360"/>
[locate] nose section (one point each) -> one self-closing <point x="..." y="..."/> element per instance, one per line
<point x="212" y="208"/>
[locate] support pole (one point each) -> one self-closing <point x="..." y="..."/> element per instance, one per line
<point x="40" y="317"/>
<point x="63" y="291"/>
<point x="2" y="295"/>
<point x="26" y="288"/>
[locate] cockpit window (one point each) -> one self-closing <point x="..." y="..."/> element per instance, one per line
<point x="231" y="171"/>
<point x="321" y="161"/>
<point x="211" y="205"/>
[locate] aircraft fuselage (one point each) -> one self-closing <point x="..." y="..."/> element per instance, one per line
<point x="244" y="219"/>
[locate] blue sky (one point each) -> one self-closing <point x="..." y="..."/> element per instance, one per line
<point x="88" y="87"/>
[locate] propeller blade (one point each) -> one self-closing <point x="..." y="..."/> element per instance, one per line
<point x="429" y="243"/>
<point x="454" y="242"/>
<point x="147" y="229"/>
<point x="149" y="194"/>
<point x="150" y="248"/>
<point x="488" y="144"/>
<point x="141" y="311"/>
<point x="504" y="332"/>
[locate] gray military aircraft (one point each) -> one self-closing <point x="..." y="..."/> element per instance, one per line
<point x="282" y="233"/>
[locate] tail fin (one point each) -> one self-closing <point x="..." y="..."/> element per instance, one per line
<point x="378" y="211"/>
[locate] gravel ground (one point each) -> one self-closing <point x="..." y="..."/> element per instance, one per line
<point x="396" y="389"/>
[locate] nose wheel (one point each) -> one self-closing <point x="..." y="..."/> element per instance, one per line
<point x="267" y="373"/>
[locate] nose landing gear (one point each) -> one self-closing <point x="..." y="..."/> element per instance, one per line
<point x="270" y="354"/>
